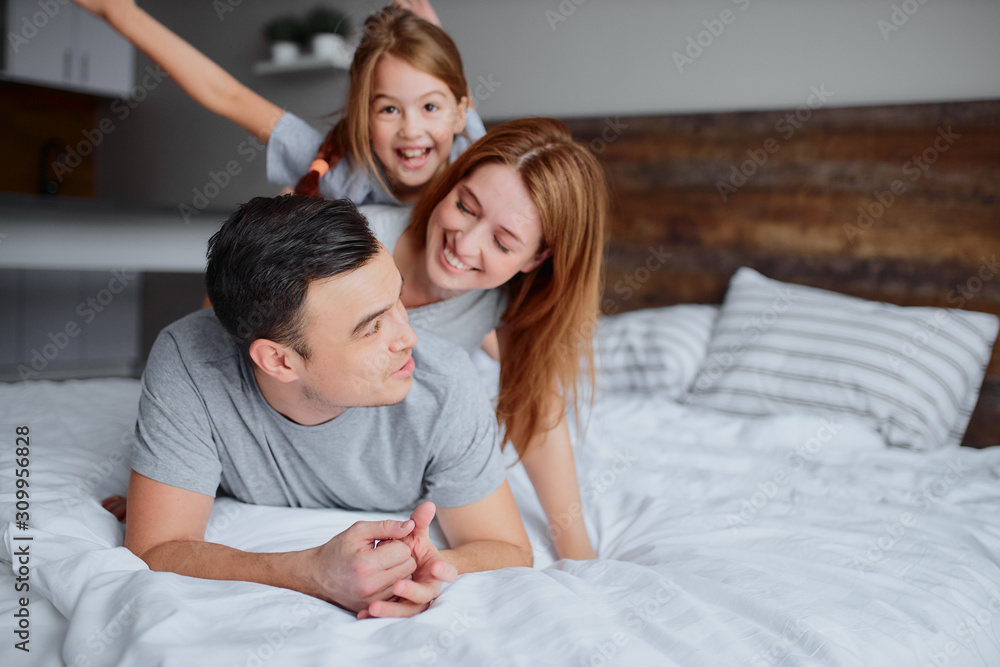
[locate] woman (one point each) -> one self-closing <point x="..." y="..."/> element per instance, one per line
<point x="511" y="238"/>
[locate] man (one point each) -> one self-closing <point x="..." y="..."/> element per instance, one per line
<point x="290" y="391"/>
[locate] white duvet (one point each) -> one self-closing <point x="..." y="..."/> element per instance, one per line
<point x="779" y="541"/>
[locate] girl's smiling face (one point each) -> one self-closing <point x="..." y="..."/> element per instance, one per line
<point x="485" y="231"/>
<point x="414" y="118"/>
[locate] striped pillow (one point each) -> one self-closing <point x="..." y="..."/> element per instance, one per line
<point x="912" y="373"/>
<point x="654" y="349"/>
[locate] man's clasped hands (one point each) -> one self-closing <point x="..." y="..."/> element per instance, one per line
<point x="383" y="568"/>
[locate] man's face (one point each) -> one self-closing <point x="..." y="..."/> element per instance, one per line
<point x="359" y="339"/>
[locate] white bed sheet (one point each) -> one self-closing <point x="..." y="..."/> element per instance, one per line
<point x="718" y="546"/>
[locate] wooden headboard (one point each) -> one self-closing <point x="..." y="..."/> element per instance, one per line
<point x="893" y="203"/>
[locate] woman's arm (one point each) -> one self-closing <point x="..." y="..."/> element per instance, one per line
<point x="487" y="534"/>
<point x="551" y="467"/>
<point x="207" y="83"/>
<point x="552" y="470"/>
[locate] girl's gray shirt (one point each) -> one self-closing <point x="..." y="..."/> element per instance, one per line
<point x="293" y="145"/>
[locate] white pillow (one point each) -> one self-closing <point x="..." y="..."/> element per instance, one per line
<point x="654" y="349"/>
<point x="912" y="373"/>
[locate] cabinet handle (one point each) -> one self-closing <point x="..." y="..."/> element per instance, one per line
<point x="67" y="65"/>
<point x="85" y="67"/>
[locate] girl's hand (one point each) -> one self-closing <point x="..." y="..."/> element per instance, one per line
<point x="421" y="8"/>
<point x="102" y="8"/>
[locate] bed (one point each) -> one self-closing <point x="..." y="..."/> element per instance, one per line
<point x="735" y="526"/>
<point x="895" y="203"/>
<point x="771" y="472"/>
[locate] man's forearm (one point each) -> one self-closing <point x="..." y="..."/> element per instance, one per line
<point x="488" y="555"/>
<point x="208" y="560"/>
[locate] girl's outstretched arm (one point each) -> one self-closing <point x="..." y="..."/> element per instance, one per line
<point x="206" y="83"/>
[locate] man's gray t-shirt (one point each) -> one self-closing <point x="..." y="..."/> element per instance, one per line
<point x="293" y="145"/>
<point x="204" y="423"/>
<point x="463" y="320"/>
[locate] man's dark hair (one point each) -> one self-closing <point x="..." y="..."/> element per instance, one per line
<point x="264" y="256"/>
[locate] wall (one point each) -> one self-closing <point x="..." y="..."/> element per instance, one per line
<point x="605" y="59"/>
<point x="617" y="57"/>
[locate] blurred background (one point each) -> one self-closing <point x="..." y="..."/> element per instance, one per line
<point x="560" y="58"/>
<point x="108" y="165"/>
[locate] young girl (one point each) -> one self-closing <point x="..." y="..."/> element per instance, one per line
<point x="406" y="116"/>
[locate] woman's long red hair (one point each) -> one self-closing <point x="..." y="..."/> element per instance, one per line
<point x="551" y="311"/>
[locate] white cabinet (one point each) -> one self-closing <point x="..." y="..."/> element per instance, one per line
<point x="58" y="44"/>
<point x="107" y="59"/>
<point x="39" y="48"/>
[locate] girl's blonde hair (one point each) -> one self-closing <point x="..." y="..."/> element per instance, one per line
<point x="390" y="31"/>
<point x="551" y="311"/>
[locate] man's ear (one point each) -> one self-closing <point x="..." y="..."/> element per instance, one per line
<point x="279" y="361"/>
<point x="536" y="261"/>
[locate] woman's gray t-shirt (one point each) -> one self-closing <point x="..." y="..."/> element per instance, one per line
<point x="463" y="320"/>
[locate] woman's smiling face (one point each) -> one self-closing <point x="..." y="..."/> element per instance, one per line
<point x="485" y="231"/>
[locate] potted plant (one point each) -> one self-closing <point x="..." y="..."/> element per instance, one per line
<point x="284" y="34"/>
<point x="326" y="29"/>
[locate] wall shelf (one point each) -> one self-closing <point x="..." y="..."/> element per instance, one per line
<point x="302" y="64"/>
